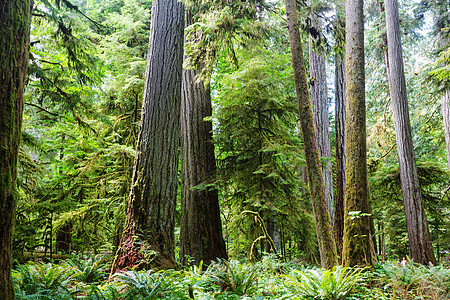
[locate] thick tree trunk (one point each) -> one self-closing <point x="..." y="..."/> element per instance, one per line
<point x="416" y="221"/>
<point x="151" y="206"/>
<point x="357" y="243"/>
<point x="324" y="231"/>
<point x="201" y="228"/>
<point x="340" y="150"/>
<point x="319" y="100"/>
<point x="15" y="18"/>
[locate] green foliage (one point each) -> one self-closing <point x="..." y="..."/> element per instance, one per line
<point x="43" y="281"/>
<point x="151" y="285"/>
<point x="259" y="151"/>
<point x="234" y="277"/>
<point x="108" y="292"/>
<point x="388" y="205"/>
<point x="413" y="281"/>
<point x="89" y="269"/>
<point x="442" y="72"/>
<point x="233" y="280"/>
<point x="335" y="284"/>
<point x="220" y="26"/>
<point x="84" y="136"/>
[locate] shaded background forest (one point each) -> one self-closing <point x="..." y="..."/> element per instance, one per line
<point x="82" y="112"/>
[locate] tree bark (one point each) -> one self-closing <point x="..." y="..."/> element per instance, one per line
<point x="357" y="242"/>
<point x="416" y="222"/>
<point x="151" y="206"/>
<point x="201" y="228"/>
<point x="340" y="105"/>
<point x="445" y="102"/>
<point x="324" y="231"/>
<point x="319" y="100"/>
<point x="15" y="19"/>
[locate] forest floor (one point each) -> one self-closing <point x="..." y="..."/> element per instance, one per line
<point x="81" y="277"/>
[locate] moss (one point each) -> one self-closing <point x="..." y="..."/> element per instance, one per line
<point x="15" y="17"/>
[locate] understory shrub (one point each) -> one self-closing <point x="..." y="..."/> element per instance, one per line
<point x="414" y="281"/>
<point x="335" y="284"/>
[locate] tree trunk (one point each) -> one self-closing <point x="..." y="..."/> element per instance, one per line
<point x="201" y="228"/>
<point x="357" y="242"/>
<point x="340" y="140"/>
<point x="327" y="247"/>
<point x="319" y="100"/>
<point x="15" y="18"/>
<point x="151" y="205"/>
<point x="445" y="102"/>
<point x="274" y="233"/>
<point x="416" y="221"/>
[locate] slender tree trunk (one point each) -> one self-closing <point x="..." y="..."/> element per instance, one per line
<point x="445" y="102"/>
<point x="151" y="206"/>
<point x="324" y="231"/>
<point x="15" y="19"/>
<point x="201" y="228"/>
<point x="381" y="11"/>
<point x="357" y="243"/>
<point x="319" y="100"/>
<point x="340" y="140"/>
<point x="416" y="221"/>
<point x="443" y="42"/>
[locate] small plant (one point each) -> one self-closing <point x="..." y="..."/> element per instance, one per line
<point x="412" y="281"/>
<point x="43" y="281"/>
<point x="109" y="292"/>
<point x="232" y="276"/>
<point x="336" y="284"/>
<point x="90" y="270"/>
<point x="148" y="285"/>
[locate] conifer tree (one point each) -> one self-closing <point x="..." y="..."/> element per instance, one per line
<point x="324" y="231"/>
<point x="201" y="228"/>
<point x="15" y="18"/>
<point x="416" y="222"/>
<point x="148" y="235"/>
<point x="357" y="242"/>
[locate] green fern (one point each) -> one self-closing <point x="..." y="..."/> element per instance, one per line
<point x="232" y="276"/>
<point x="148" y="285"/>
<point x="90" y="269"/>
<point x="336" y="284"/>
<point x="43" y="281"/>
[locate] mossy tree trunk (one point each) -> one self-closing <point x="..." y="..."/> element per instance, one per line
<point x="340" y="105"/>
<point x="150" y="221"/>
<point x="15" y="18"/>
<point x="416" y="222"/>
<point x="357" y="242"/>
<point x="324" y="231"/>
<point x="319" y="100"/>
<point x="201" y="227"/>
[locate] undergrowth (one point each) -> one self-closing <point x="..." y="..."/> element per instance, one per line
<point x="86" y="278"/>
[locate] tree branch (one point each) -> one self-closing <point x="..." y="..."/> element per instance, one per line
<point x="41" y="108"/>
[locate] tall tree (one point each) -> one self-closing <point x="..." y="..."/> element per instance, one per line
<point x="15" y="18"/>
<point x="201" y="228"/>
<point x="319" y="100"/>
<point x="340" y="104"/>
<point x="357" y="243"/>
<point x="151" y="206"/>
<point x="445" y="104"/>
<point x="416" y="221"/>
<point x="441" y="16"/>
<point x="324" y="231"/>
